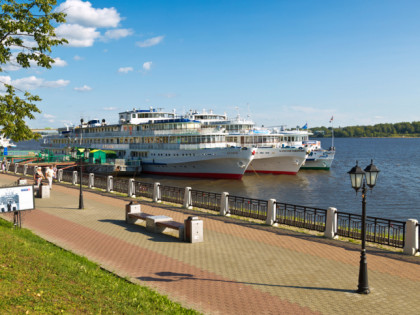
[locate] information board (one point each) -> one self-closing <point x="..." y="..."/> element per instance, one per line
<point x="17" y="198"/>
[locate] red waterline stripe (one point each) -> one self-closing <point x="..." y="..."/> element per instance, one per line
<point x="202" y="175"/>
<point x="272" y="172"/>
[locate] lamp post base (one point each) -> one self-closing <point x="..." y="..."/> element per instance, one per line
<point x="363" y="286"/>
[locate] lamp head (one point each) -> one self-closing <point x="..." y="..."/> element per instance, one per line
<point x="372" y="173"/>
<point x="356" y="176"/>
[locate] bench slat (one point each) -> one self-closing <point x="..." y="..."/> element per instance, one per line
<point x="140" y="215"/>
<point x="171" y="224"/>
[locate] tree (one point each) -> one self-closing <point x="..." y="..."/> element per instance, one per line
<point x="26" y="36"/>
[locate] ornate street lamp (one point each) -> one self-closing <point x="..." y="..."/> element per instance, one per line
<point x="357" y="176"/>
<point x="80" y="160"/>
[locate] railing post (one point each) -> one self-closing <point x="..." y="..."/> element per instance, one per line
<point x="331" y="223"/>
<point x="271" y="212"/>
<point x="411" y="244"/>
<point x="109" y="183"/>
<point x="7" y="166"/>
<point x="131" y="188"/>
<point x="224" y="204"/>
<point x="34" y="170"/>
<point x="91" y="182"/>
<point x="74" y="178"/>
<point x="25" y="169"/>
<point x="187" y="198"/>
<point x="60" y="175"/>
<point x="16" y="167"/>
<point x="156" y="193"/>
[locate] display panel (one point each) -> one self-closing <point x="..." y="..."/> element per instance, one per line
<point x="17" y="198"/>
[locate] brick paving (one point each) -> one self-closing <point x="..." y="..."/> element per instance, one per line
<point x="240" y="268"/>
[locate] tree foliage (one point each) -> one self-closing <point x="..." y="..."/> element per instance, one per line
<point x="402" y="129"/>
<point x="27" y="35"/>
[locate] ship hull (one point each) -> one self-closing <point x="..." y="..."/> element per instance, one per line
<point x="319" y="160"/>
<point x="227" y="163"/>
<point x="277" y="161"/>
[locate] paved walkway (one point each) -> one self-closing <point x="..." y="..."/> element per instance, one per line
<point x="240" y="268"/>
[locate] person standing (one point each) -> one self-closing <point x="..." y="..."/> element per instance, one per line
<point x="3" y="167"/>
<point x="49" y="173"/>
<point x="38" y="176"/>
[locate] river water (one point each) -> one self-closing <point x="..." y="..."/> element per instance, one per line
<point x="395" y="196"/>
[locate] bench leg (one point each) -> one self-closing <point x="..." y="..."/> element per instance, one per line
<point x="181" y="234"/>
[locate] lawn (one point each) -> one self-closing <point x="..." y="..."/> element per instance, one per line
<point x="37" y="277"/>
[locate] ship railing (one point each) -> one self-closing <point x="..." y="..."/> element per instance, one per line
<point x="300" y="216"/>
<point x="378" y="230"/>
<point x="206" y="200"/>
<point x="177" y="146"/>
<point x="172" y="194"/>
<point x="143" y="189"/>
<point x="248" y="207"/>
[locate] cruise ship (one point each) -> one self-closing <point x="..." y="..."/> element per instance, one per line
<point x="274" y="155"/>
<point x="160" y="142"/>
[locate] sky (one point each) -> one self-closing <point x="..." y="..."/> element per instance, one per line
<point x="280" y="62"/>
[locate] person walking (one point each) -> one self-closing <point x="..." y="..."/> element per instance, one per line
<point x="3" y="167"/>
<point x="49" y="173"/>
<point x="38" y="176"/>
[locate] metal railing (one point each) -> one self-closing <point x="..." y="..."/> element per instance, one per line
<point x="300" y="216"/>
<point x="418" y="237"/>
<point x="100" y="181"/>
<point x="378" y="230"/>
<point x="143" y="189"/>
<point x="248" y="207"/>
<point x="206" y="200"/>
<point x="67" y="176"/>
<point x="172" y="194"/>
<point x="120" y="185"/>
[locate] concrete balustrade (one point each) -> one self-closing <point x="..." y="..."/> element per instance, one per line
<point x="74" y="178"/>
<point x="131" y="188"/>
<point x="411" y="245"/>
<point x="224" y="204"/>
<point x="109" y="183"/>
<point x="16" y="167"/>
<point x="59" y="175"/>
<point x="187" y="204"/>
<point x="271" y="212"/>
<point x="331" y="224"/>
<point x="91" y="182"/>
<point x="156" y="193"/>
<point x="25" y="169"/>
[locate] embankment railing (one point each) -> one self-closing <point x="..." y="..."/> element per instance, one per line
<point x="378" y="230"/>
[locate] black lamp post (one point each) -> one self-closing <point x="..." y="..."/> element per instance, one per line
<point x="80" y="160"/>
<point x="357" y="176"/>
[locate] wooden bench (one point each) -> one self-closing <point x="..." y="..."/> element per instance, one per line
<point x="133" y="217"/>
<point x="162" y="225"/>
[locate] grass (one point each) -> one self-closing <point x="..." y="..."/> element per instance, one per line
<point x="37" y="277"/>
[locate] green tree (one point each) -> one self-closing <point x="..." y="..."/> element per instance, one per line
<point x="27" y="35"/>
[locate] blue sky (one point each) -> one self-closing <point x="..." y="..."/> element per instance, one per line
<point x="281" y="62"/>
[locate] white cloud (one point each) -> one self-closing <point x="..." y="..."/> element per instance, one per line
<point x="150" y="42"/>
<point x="83" y="88"/>
<point x="109" y="108"/>
<point x="118" y="33"/>
<point x="58" y="62"/>
<point x="78" y="58"/>
<point x="77" y="35"/>
<point x="125" y="69"/>
<point x="147" y="65"/>
<point x="32" y="83"/>
<point x="79" y="12"/>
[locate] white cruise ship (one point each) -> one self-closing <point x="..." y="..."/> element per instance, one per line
<point x="162" y="143"/>
<point x="5" y="142"/>
<point x="274" y="154"/>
